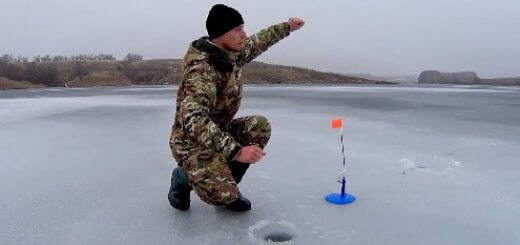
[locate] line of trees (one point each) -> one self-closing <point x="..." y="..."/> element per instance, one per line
<point x="34" y="72"/>
<point x="9" y="58"/>
<point x="132" y="57"/>
<point x="38" y="70"/>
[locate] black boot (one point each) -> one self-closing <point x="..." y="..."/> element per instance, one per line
<point x="238" y="170"/>
<point x="241" y="204"/>
<point x="179" y="195"/>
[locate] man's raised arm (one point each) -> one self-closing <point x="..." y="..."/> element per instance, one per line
<point x="261" y="41"/>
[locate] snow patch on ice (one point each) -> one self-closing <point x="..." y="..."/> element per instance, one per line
<point x="411" y="164"/>
<point x="449" y="161"/>
<point x="408" y="163"/>
<point x="436" y="163"/>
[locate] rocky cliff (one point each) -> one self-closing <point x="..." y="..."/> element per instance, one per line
<point x="467" y="77"/>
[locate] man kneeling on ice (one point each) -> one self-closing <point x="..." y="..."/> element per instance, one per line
<point x="213" y="150"/>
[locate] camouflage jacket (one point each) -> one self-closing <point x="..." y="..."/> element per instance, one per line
<point x="210" y="92"/>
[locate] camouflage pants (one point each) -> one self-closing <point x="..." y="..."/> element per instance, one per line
<point x="211" y="176"/>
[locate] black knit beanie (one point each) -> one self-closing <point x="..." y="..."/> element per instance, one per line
<point x="222" y="19"/>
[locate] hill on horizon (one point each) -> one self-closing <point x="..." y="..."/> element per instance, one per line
<point x="148" y="72"/>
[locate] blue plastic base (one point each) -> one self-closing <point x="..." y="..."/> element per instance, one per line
<point x="336" y="198"/>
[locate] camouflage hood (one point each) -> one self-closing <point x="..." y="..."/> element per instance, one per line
<point x="201" y="49"/>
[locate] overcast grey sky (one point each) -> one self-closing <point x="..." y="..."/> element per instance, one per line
<point x="382" y="37"/>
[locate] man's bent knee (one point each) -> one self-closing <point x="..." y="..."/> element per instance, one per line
<point x="260" y="130"/>
<point x="261" y="123"/>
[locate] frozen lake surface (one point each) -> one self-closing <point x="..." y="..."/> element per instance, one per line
<point x="428" y="165"/>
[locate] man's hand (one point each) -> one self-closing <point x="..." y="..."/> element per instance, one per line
<point x="250" y="154"/>
<point x="295" y="24"/>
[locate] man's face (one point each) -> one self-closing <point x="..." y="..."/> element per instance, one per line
<point x="233" y="40"/>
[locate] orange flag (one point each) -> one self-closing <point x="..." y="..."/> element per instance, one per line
<point x="337" y="122"/>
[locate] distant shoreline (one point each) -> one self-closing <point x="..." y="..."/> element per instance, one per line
<point x="280" y="85"/>
<point x="150" y="72"/>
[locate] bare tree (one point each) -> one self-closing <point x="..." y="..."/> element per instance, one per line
<point x="46" y="74"/>
<point x="46" y="58"/>
<point x="132" y="57"/>
<point x="12" y="71"/>
<point x="105" y="57"/>
<point x="20" y="59"/>
<point x="6" y="58"/>
<point x="79" y="70"/>
<point x="59" y="58"/>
